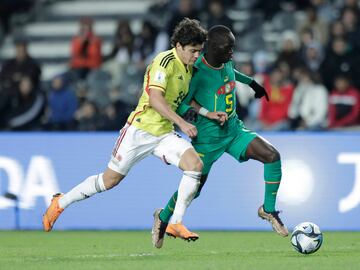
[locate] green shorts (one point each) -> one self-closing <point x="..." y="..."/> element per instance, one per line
<point x="235" y="145"/>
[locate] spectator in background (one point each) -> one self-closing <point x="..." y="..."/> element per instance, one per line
<point x="261" y="62"/>
<point x="145" y="45"/>
<point x="123" y="43"/>
<point x="85" y="50"/>
<point x="352" y="4"/>
<point x="27" y="108"/>
<point x="313" y="56"/>
<point x="62" y="104"/>
<point x="117" y="62"/>
<point x="244" y="94"/>
<point x="337" y="30"/>
<point x="115" y="115"/>
<point x="23" y="65"/>
<point x="340" y="60"/>
<point x="12" y="72"/>
<point x="344" y="104"/>
<point x="309" y="105"/>
<point x="88" y="116"/>
<point x="325" y="10"/>
<point x="273" y="114"/>
<point x="316" y="24"/>
<point x="351" y="27"/>
<point x="306" y="36"/>
<point x="186" y="8"/>
<point x="216" y="15"/>
<point x="289" y="56"/>
<point x="258" y="68"/>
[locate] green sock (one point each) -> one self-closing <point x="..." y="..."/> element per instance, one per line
<point x="272" y="176"/>
<point x="167" y="212"/>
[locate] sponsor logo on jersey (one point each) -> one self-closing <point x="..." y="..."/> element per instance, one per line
<point x="180" y="77"/>
<point x="226" y="88"/>
<point x="226" y="78"/>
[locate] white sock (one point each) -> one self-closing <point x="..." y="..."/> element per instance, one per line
<point x="90" y="186"/>
<point x="188" y="187"/>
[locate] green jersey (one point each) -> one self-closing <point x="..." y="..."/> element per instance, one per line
<point x="214" y="89"/>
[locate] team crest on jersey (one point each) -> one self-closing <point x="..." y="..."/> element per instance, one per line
<point x="226" y="88"/>
<point x="226" y="78"/>
<point x="159" y="76"/>
<point x="180" y="77"/>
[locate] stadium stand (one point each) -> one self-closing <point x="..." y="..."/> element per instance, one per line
<point x="263" y="28"/>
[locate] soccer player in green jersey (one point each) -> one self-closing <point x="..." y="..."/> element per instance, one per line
<point x="150" y="130"/>
<point x="212" y="88"/>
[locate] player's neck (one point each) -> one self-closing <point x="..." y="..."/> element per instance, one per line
<point x="211" y="61"/>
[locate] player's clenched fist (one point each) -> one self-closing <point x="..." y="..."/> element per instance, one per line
<point x="221" y="117"/>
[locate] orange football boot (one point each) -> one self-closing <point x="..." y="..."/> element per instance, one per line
<point x="52" y="213"/>
<point x="179" y="230"/>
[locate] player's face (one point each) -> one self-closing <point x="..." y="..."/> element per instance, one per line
<point x="224" y="52"/>
<point x="188" y="53"/>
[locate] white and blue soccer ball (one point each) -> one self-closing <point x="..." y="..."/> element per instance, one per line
<point x="306" y="238"/>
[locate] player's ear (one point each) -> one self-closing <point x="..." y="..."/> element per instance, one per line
<point x="178" y="46"/>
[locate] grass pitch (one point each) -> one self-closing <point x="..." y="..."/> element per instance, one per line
<point x="133" y="250"/>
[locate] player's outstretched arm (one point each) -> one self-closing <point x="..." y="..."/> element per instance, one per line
<point x="258" y="89"/>
<point x="158" y="102"/>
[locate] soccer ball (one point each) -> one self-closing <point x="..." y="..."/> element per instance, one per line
<point x="306" y="238"/>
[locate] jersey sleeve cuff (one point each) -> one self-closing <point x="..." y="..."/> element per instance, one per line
<point x="158" y="87"/>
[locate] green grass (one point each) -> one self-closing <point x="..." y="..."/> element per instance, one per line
<point x="133" y="250"/>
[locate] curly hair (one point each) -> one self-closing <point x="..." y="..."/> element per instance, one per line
<point x="188" y="32"/>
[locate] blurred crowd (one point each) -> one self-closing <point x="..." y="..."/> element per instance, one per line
<point x="313" y="81"/>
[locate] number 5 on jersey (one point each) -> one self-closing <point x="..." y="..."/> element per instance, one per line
<point x="229" y="102"/>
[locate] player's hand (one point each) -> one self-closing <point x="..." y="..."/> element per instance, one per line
<point x="189" y="129"/>
<point x="191" y="115"/>
<point x="221" y="117"/>
<point x="259" y="90"/>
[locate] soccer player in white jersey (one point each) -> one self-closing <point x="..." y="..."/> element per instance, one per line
<point x="150" y="130"/>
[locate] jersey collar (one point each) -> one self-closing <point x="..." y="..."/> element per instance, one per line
<point x="210" y="66"/>
<point x="186" y="67"/>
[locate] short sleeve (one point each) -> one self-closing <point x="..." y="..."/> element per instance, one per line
<point x="158" y="76"/>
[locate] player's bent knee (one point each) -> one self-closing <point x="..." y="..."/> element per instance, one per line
<point x="195" y="165"/>
<point x="112" y="178"/>
<point x="190" y="161"/>
<point x="272" y="155"/>
<point x="198" y="166"/>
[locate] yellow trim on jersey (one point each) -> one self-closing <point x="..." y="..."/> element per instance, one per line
<point x="215" y="101"/>
<point x="157" y="87"/>
<point x="232" y="113"/>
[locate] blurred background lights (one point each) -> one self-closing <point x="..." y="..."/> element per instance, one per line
<point x="297" y="182"/>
